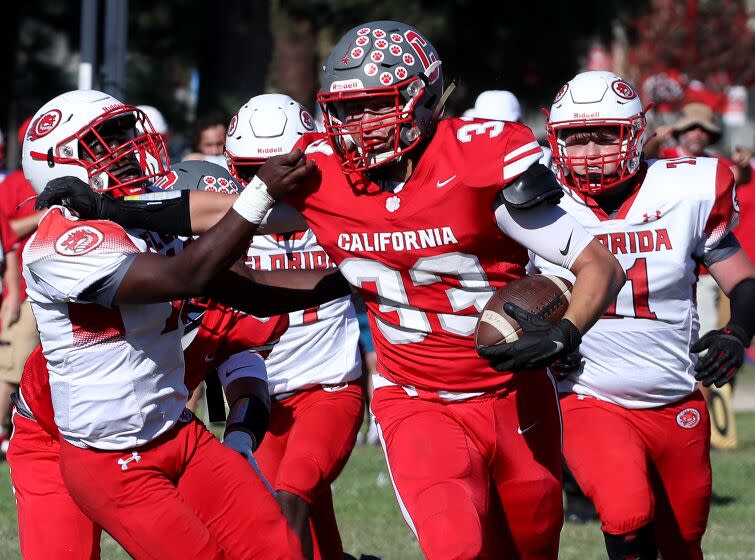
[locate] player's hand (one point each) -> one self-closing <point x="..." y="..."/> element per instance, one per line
<point x="283" y="174"/>
<point x="539" y="346"/>
<point x="564" y="365"/>
<point x="242" y="443"/>
<point x="76" y="195"/>
<point x="726" y="352"/>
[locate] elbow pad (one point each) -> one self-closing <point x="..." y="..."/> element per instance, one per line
<point x="535" y="186"/>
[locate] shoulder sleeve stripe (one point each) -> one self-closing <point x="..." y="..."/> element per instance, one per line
<point x="520" y="151"/>
<point x="513" y="169"/>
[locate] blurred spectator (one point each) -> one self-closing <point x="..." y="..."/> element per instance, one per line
<point x="695" y="132"/>
<point x="499" y="105"/>
<point x="2" y="151"/>
<point x="209" y="139"/>
<point x="665" y="89"/>
<point x="18" y="331"/>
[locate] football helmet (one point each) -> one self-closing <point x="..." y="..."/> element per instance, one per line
<point x="388" y="60"/>
<point x="266" y="125"/>
<point x="594" y="99"/>
<point x="90" y="135"/>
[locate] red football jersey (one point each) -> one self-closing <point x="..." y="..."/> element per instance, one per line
<point x="427" y="257"/>
<point x="222" y="333"/>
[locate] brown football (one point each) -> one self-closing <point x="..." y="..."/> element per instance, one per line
<point x="545" y="296"/>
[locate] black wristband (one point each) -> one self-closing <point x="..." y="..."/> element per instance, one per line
<point x="154" y="212"/>
<point x="571" y="334"/>
<point x="742" y="302"/>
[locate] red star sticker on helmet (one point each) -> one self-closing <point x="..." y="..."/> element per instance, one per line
<point x="345" y="59"/>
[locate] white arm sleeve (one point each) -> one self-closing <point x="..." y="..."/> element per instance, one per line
<point x="546" y="230"/>
<point x="282" y="218"/>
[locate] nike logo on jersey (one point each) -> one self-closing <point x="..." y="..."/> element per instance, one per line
<point x="565" y="250"/>
<point x="521" y="431"/>
<point x="441" y="184"/>
<point x="208" y="358"/>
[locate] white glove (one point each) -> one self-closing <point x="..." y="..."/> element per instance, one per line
<point x="241" y="442"/>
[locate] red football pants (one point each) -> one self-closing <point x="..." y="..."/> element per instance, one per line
<point x="50" y="524"/>
<point x="310" y="438"/>
<point x="183" y="495"/>
<point x="639" y="466"/>
<point x="454" y="465"/>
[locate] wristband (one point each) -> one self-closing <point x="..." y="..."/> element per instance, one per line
<point x="254" y="201"/>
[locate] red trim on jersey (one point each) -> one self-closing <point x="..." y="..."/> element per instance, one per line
<point x="93" y="324"/>
<point x="722" y="213"/>
<point x="35" y="389"/>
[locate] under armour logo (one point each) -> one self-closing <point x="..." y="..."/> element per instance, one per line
<point x="648" y="217"/>
<point x="124" y="462"/>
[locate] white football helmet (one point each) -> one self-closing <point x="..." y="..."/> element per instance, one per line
<point x="594" y="99"/>
<point x="266" y="125"/>
<point x="93" y="136"/>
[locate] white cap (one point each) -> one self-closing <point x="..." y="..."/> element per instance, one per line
<point x="496" y="104"/>
<point x="155" y="117"/>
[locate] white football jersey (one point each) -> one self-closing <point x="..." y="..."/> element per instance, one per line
<point x="320" y="346"/>
<point x="116" y="371"/>
<point x="637" y="355"/>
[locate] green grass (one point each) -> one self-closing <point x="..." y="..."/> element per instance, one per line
<point x="371" y="523"/>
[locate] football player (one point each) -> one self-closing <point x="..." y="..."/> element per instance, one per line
<point x="314" y="370"/>
<point x="636" y="429"/>
<point x="426" y="217"/>
<point x="132" y="458"/>
<point x="50" y="524"/>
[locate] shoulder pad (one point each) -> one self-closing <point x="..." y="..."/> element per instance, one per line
<point x="535" y="186"/>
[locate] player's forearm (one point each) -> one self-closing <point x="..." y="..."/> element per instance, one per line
<point x="11" y="276"/>
<point x="237" y="289"/>
<point x="26" y="225"/>
<point x="599" y="277"/>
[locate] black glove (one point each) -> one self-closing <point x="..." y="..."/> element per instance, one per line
<point x="539" y="346"/>
<point x="726" y="352"/>
<point x="76" y="195"/>
<point x="567" y="364"/>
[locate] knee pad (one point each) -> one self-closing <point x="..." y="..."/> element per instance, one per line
<point x="302" y="477"/>
<point x="637" y="545"/>
<point x="448" y="524"/>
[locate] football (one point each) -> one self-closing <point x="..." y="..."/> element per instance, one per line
<point x="545" y="296"/>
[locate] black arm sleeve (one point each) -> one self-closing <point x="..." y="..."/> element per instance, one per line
<point x="535" y="186"/>
<point x="237" y="290"/>
<point x="161" y="212"/>
<point x="742" y="301"/>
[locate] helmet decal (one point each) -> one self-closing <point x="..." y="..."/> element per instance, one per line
<point x="561" y="93"/>
<point x="306" y="119"/>
<point x="45" y="124"/>
<point x="370" y="69"/>
<point x="623" y="89"/>
<point x="232" y="125"/>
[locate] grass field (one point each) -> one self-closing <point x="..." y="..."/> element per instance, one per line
<point x="371" y="523"/>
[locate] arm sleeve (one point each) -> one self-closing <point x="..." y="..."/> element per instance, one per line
<point x="537" y="228"/>
<point x="243" y="364"/>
